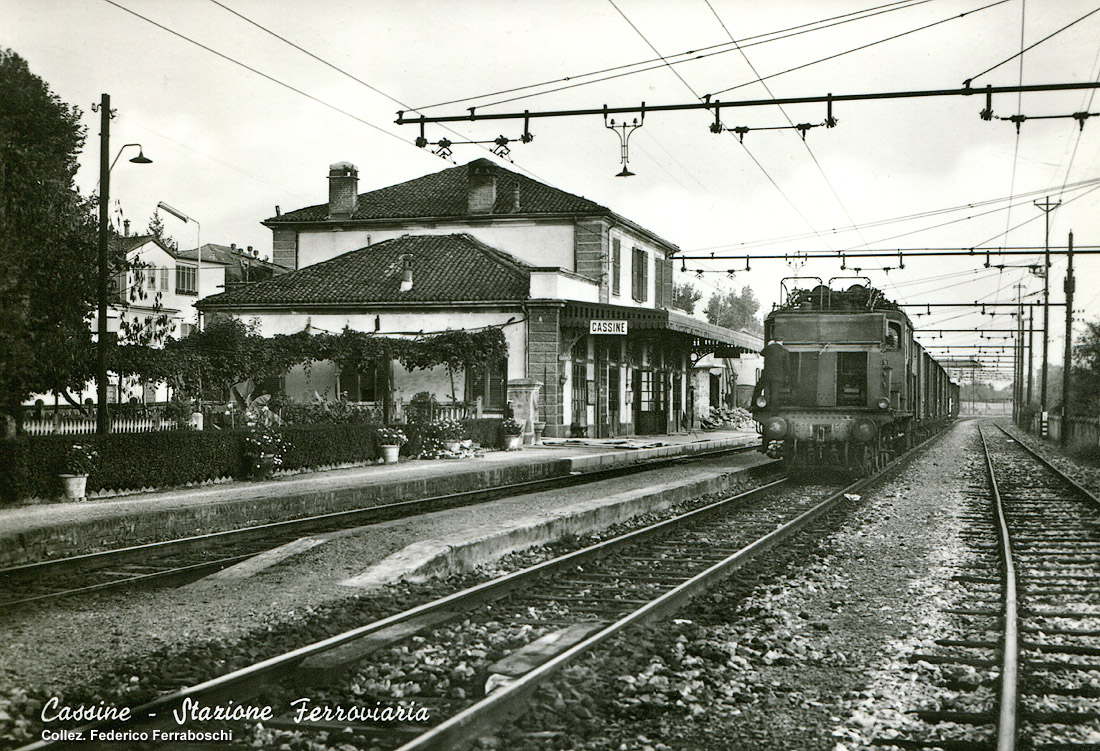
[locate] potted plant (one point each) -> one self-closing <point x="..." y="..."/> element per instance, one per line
<point x="79" y="460"/>
<point x="449" y="432"/>
<point x="264" y="452"/>
<point x="513" y="434"/>
<point x="391" y="440"/>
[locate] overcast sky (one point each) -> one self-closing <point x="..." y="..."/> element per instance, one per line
<point x="229" y="144"/>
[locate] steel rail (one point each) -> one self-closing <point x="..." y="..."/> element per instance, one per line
<point x="100" y="559"/>
<point x="507" y="700"/>
<point x="231" y="684"/>
<point x="244" y="683"/>
<point x="1046" y="462"/>
<point x="1010" y="661"/>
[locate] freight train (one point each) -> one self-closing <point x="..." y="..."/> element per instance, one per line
<point x="845" y="383"/>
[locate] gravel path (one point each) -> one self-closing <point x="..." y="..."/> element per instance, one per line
<point x="799" y="651"/>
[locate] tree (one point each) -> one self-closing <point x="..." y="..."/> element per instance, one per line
<point x="684" y="296"/>
<point x="1086" y="371"/>
<point x="156" y="229"/>
<point x="48" y="242"/>
<point x="735" y="310"/>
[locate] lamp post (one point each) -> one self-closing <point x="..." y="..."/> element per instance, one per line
<point x="102" y="422"/>
<point x="198" y="254"/>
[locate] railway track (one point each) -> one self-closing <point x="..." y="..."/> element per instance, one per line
<point x="185" y="559"/>
<point x="518" y="630"/>
<point x="1025" y="670"/>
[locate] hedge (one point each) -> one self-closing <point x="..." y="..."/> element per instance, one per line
<point x="30" y="465"/>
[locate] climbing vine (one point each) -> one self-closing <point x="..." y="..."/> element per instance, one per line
<point x="228" y="351"/>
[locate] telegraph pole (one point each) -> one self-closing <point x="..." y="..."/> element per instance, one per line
<point x="1031" y="350"/>
<point x="102" y="423"/>
<point x="1046" y="207"/>
<point x="1068" y="358"/>
<point x="1018" y="361"/>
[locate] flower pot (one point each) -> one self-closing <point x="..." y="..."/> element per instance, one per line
<point x="513" y="442"/>
<point x="539" y="428"/>
<point x="389" y="453"/>
<point x="75" y="486"/>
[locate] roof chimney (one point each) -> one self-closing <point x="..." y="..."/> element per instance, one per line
<point x="125" y="227"/>
<point x="515" y="198"/>
<point x="482" y="187"/>
<point x="233" y="247"/>
<point x="253" y="253"/>
<point x="343" y="190"/>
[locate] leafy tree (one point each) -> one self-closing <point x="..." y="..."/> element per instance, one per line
<point x="1086" y="371"/>
<point x="735" y="310"/>
<point x="684" y="296"/>
<point x="156" y="229"/>
<point x="48" y="241"/>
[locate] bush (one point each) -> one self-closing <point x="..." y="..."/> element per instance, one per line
<point x="30" y="465"/>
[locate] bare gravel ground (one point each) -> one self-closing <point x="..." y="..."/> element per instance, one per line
<point x="799" y="651"/>
<point x="128" y="645"/>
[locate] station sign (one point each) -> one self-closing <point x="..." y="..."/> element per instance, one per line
<point x="607" y="327"/>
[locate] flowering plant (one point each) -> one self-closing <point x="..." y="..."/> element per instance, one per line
<point x="444" y="430"/>
<point x="391" y="437"/>
<point x="264" y="446"/>
<point x="511" y="427"/>
<point x="80" y="459"/>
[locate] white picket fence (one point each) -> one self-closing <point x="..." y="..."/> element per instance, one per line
<point x="82" y="425"/>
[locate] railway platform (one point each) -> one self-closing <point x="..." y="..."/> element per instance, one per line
<point x="43" y="531"/>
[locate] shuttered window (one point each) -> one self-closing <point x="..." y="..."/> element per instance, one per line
<point x="639" y="275"/>
<point x="616" y="267"/>
<point x="490" y="383"/>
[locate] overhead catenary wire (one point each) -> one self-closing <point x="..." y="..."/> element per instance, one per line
<point x="344" y="72"/>
<point x="699" y="54"/>
<point x="866" y="46"/>
<point x="1031" y="46"/>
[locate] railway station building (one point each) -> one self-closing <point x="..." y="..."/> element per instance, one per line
<point x="582" y="295"/>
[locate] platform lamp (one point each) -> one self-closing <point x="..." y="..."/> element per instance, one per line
<point x="102" y="423"/>
<point x="198" y="255"/>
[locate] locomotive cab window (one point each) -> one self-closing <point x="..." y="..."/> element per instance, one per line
<point x="851" y="379"/>
<point x="893" y="334"/>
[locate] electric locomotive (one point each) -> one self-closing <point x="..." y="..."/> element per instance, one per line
<point x="845" y="384"/>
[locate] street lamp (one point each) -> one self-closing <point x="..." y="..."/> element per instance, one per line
<point x="102" y="423"/>
<point x="198" y="254"/>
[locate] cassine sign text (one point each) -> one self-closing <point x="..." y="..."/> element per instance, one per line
<point x="607" y="327"/>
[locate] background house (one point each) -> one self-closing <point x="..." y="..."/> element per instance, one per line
<point x="581" y="294"/>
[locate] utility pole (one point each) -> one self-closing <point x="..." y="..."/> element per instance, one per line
<point x="1018" y="360"/>
<point x="1030" y="350"/>
<point x="1046" y="207"/>
<point x="1068" y="358"/>
<point x="102" y="421"/>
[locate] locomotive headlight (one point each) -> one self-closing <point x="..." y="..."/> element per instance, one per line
<point x="884" y="403"/>
<point x="761" y="401"/>
<point x="775" y="428"/>
<point x="864" y="430"/>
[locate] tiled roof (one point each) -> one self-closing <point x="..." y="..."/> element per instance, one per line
<point x="443" y="194"/>
<point x="445" y="268"/>
<point x="126" y="243"/>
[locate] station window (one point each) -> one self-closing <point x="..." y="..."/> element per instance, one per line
<point x="616" y="266"/>
<point x="490" y="382"/>
<point x="639" y="275"/>
<point x="363" y="385"/>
